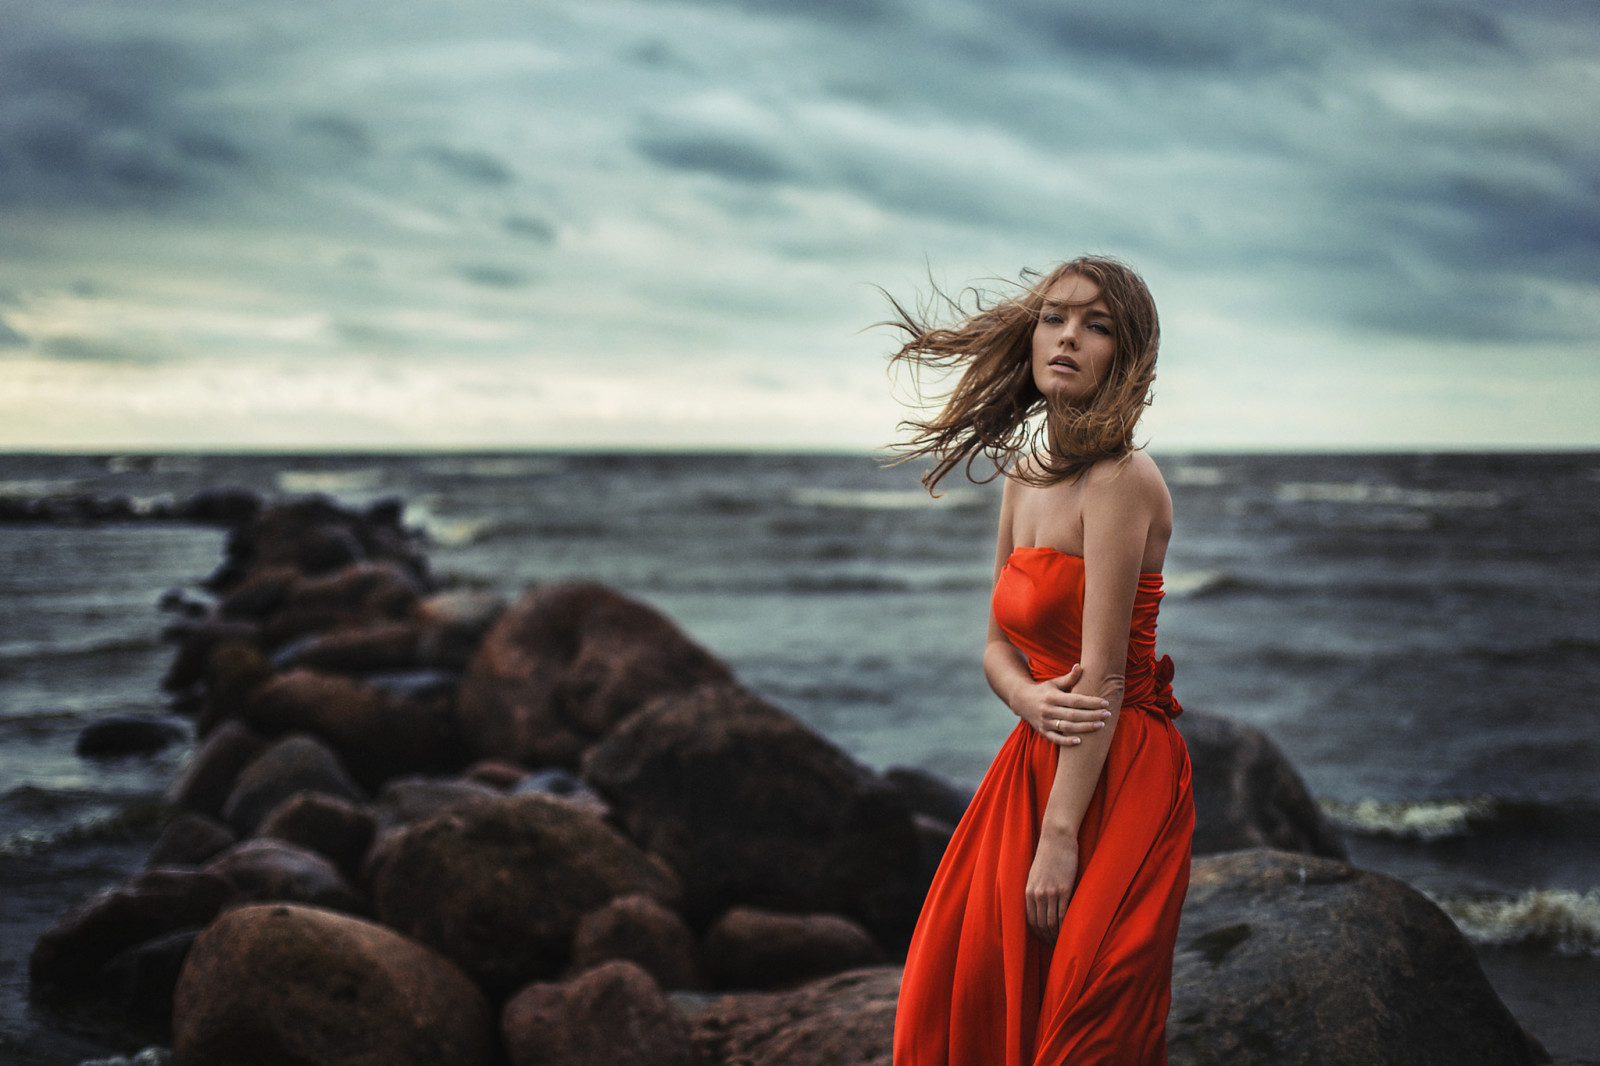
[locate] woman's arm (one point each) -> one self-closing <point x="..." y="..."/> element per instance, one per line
<point x="1050" y="707"/>
<point x="1121" y="504"/>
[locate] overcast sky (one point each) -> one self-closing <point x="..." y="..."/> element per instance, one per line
<point x="496" y="223"/>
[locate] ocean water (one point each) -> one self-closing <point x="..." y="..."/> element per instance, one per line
<point x="1419" y="633"/>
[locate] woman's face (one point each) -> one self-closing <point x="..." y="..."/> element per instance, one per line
<point x="1073" y="341"/>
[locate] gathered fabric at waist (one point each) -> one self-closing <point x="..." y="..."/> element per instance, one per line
<point x="1147" y="683"/>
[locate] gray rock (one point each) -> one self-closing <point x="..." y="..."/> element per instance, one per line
<point x="189" y="840"/>
<point x="265" y="870"/>
<point x="296" y="763"/>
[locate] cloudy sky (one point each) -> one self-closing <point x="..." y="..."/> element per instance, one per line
<point x="243" y="223"/>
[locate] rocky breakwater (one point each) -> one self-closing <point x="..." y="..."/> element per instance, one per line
<point x="422" y="826"/>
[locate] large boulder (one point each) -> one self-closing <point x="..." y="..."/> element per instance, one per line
<point x="377" y="733"/>
<point x="750" y="806"/>
<point x="315" y="536"/>
<point x="332" y="827"/>
<point x="1288" y="959"/>
<point x="612" y="1015"/>
<point x="208" y="778"/>
<point x="265" y="870"/>
<point x="1247" y="794"/>
<point x="68" y="957"/>
<point x="500" y="885"/>
<point x="750" y="948"/>
<point x="296" y="763"/>
<point x="360" y="595"/>
<point x="639" y="930"/>
<point x="565" y="664"/>
<point x="189" y="840"/>
<point x="274" y="984"/>
<point x="844" y="1020"/>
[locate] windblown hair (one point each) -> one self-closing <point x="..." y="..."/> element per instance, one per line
<point x="991" y="412"/>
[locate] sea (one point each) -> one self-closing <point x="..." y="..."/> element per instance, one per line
<point x="1420" y="634"/>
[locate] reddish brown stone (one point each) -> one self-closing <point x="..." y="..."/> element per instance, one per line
<point x="334" y="828"/>
<point x="750" y="948"/>
<point x="265" y="870"/>
<point x="612" y="1015"/>
<point x="500" y="886"/>
<point x="564" y="665"/>
<point x="273" y="984"/>
<point x="209" y="776"/>
<point x="639" y="930"/>
<point x="296" y="763"/>
<point x="844" y="1020"/>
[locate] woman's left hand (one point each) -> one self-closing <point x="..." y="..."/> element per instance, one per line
<point x="1051" y="879"/>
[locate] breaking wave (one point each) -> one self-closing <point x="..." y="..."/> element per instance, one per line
<point x="1424" y="820"/>
<point x="1555" y="919"/>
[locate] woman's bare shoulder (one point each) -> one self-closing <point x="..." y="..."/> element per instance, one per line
<point x="1133" y="476"/>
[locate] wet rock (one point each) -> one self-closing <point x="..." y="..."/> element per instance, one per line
<point x="612" y="1015"/>
<point x="750" y="806"/>
<point x="933" y="836"/>
<point x="1247" y="794"/>
<point x="378" y="734"/>
<point x="334" y="828"/>
<point x="639" y="930"/>
<point x="565" y="664"/>
<point x="140" y="981"/>
<point x="414" y="799"/>
<point x="223" y="506"/>
<point x="1291" y="959"/>
<point x="564" y="785"/>
<point x="208" y="779"/>
<point x="844" y="1020"/>
<point x="750" y="948"/>
<point x="296" y="763"/>
<point x="196" y="641"/>
<point x="280" y="983"/>
<point x="358" y="596"/>
<point x="928" y="793"/>
<point x="261" y="594"/>
<point x="455" y="623"/>
<point x="126" y="734"/>
<point x="189" y="840"/>
<point x="495" y="773"/>
<point x="68" y="957"/>
<point x="388" y="646"/>
<point x="266" y="870"/>
<point x="499" y="886"/>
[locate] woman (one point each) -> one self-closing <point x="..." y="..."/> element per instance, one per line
<point x="1048" y="932"/>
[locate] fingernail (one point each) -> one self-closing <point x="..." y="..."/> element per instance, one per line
<point x="1099" y="725"/>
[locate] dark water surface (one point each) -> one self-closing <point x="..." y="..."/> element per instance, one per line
<point x="1419" y="633"/>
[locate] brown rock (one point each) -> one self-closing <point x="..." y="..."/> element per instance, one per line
<point x="748" y="805"/>
<point x="455" y="623"/>
<point x="315" y="535"/>
<point x="750" y="948"/>
<point x="495" y="773"/>
<point x="406" y="800"/>
<point x="196" y="642"/>
<point x="844" y="1020"/>
<point x="211" y="772"/>
<point x="360" y="594"/>
<point x="262" y="593"/>
<point x="332" y="827"/>
<point x="378" y="734"/>
<point x="385" y="646"/>
<point x="500" y="886"/>
<point x="282" y="984"/>
<point x="296" y="763"/>
<point x="564" y="665"/>
<point x="189" y="840"/>
<point x="1247" y="794"/>
<point x="68" y="957"/>
<point x="639" y="930"/>
<point x="612" y="1015"/>
<point x="1290" y="959"/>
<point x="265" y="870"/>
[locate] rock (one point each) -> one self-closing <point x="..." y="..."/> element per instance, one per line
<point x="565" y="664"/>
<point x="387" y="646"/>
<point x="262" y="594"/>
<point x="360" y="595"/>
<point x="495" y="773"/>
<point x="928" y="793"/>
<point x="266" y="870"/>
<point x="499" y="886"/>
<point x="140" y="981"/>
<point x="196" y="641"/>
<point x="297" y="763"/>
<point x="750" y="806"/>
<point x="68" y="957"/>
<point x="334" y="828"/>
<point x="223" y="506"/>
<point x="280" y="983"/>
<point x="1291" y="959"/>
<point x="612" y="1015"/>
<point x="844" y="1020"/>
<point x="564" y="785"/>
<point x="1247" y="794"/>
<point x="378" y="735"/>
<point x="933" y="836"/>
<point x="208" y="779"/>
<point x="639" y="930"/>
<point x="455" y="624"/>
<point x="414" y="799"/>
<point x="750" y="948"/>
<point x="127" y="734"/>
<point x="189" y="840"/>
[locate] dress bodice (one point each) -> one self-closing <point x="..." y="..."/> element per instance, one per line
<point x="1038" y="602"/>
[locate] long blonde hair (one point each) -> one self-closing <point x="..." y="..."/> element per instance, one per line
<point x="990" y="412"/>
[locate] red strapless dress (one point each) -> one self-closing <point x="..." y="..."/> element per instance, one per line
<point x="979" y="989"/>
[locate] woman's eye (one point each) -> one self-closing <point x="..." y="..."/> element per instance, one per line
<point x="1100" y="327"/>
<point x="1053" y="319"/>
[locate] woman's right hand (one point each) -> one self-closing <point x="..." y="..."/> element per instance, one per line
<point x="1056" y="712"/>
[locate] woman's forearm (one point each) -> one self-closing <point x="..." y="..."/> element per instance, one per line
<point x="1078" y="767"/>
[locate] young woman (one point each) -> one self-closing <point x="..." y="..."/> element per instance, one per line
<point x="1048" y="932"/>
